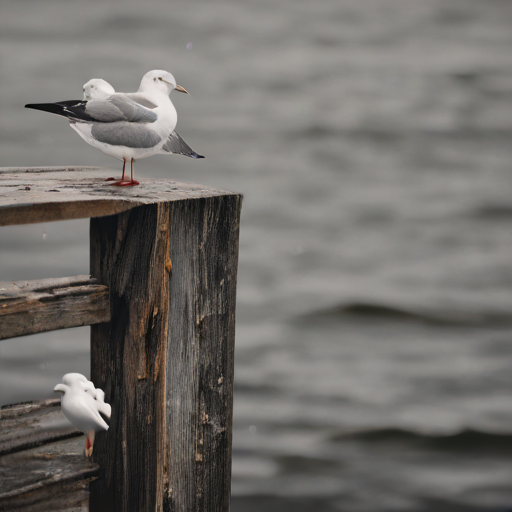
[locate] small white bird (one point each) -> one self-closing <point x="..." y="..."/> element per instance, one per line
<point x="126" y="126"/>
<point x="82" y="404"/>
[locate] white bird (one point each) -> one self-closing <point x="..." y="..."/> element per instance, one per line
<point x="99" y="89"/>
<point x="126" y="126"/>
<point x="82" y="404"/>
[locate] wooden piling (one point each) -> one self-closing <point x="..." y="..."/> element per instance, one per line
<point x="167" y="253"/>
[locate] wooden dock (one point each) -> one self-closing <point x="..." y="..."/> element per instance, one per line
<point x="161" y="303"/>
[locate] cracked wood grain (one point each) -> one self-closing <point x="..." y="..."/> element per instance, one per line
<point x="43" y="194"/>
<point x="28" y="307"/>
<point x="165" y="360"/>
<point x="200" y="354"/>
<point x="129" y="253"/>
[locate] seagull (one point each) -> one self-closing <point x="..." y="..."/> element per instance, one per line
<point x="82" y="404"/>
<point x="127" y="126"/>
<point x="99" y="89"/>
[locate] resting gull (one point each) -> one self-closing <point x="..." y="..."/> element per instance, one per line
<point x="82" y="404"/>
<point x="99" y="89"/>
<point x="126" y="126"/>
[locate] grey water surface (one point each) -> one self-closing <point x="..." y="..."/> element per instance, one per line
<point x="372" y="140"/>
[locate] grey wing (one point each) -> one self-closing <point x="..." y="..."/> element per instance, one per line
<point x="135" y="112"/>
<point x="131" y="135"/>
<point x="141" y="99"/>
<point x="119" y="107"/>
<point x="175" y="144"/>
<point x="104" y="111"/>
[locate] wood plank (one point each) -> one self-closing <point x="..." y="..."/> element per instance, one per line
<point x="42" y="462"/>
<point x="165" y="360"/>
<point x="44" y="194"/>
<point x="50" y="478"/>
<point x="28" y="307"/>
<point x="31" y="424"/>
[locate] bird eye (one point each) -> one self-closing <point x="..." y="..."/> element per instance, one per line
<point x="160" y="78"/>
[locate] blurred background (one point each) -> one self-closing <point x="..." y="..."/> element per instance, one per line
<point x="372" y="142"/>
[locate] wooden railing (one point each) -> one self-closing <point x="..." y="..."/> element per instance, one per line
<point x="28" y="307"/>
<point x="161" y="303"/>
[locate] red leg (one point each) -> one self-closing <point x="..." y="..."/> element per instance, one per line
<point x="89" y="442"/>
<point x="132" y="181"/>
<point x="128" y="183"/>
<point x="121" y="183"/>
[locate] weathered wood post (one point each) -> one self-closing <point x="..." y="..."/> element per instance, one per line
<point x="161" y="305"/>
<point x="165" y="359"/>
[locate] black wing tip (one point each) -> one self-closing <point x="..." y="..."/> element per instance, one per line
<point x="47" y="107"/>
<point x="198" y="156"/>
<point x="72" y="109"/>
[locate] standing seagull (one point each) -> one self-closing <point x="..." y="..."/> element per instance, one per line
<point x="125" y="126"/>
<point x="99" y="89"/>
<point x="82" y="404"/>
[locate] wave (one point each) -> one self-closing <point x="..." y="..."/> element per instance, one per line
<point x="388" y="133"/>
<point x="412" y="314"/>
<point x="465" y="440"/>
<point x="493" y="212"/>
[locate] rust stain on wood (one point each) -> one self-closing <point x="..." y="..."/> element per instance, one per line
<point x="133" y="266"/>
<point x="168" y="264"/>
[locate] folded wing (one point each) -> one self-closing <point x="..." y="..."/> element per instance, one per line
<point x="114" y="109"/>
<point x="119" y="107"/>
<point x="175" y="144"/>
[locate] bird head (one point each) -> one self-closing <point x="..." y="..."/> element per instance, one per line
<point x="75" y="382"/>
<point x="73" y="378"/>
<point x="97" y="89"/>
<point x="159" y="80"/>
